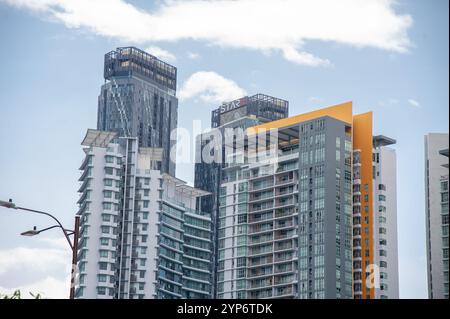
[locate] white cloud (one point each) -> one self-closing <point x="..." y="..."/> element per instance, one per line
<point x="36" y="270"/>
<point x="291" y="54"/>
<point x="161" y="54"/>
<point x="264" y="25"/>
<point x="315" y="99"/>
<point x="49" y="287"/>
<point x="389" y="102"/>
<point x="33" y="258"/>
<point x="193" y="55"/>
<point x="413" y="102"/>
<point x="210" y="87"/>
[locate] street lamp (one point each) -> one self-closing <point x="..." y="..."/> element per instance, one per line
<point x="34" y="231"/>
<point x="66" y="232"/>
<point x="30" y="233"/>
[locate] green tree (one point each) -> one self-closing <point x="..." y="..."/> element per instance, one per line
<point x="18" y="295"/>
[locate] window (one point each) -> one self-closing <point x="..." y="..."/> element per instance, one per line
<point x="366" y="219"/>
<point x="241" y="262"/>
<point x="102" y="278"/>
<point x="109" y="159"/>
<point x="104" y="241"/>
<point x="145" y="204"/>
<point x="382" y="198"/>
<point x="109" y="171"/>
<point x="101" y="290"/>
<point x="107" y="194"/>
<point x="242" y="219"/>
<point x="103" y="266"/>
<point x="108" y="182"/>
<point x="104" y="253"/>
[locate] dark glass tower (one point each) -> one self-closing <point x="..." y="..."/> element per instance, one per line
<point x="241" y="113"/>
<point x="138" y="100"/>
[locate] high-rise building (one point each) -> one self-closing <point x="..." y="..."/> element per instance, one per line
<point x="241" y="113"/>
<point x="141" y="232"/>
<point x="298" y="221"/>
<point x="436" y="212"/>
<point x="385" y="217"/>
<point x="139" y="99"/>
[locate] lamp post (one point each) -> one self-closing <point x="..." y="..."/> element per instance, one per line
<point x="67" y="233"/>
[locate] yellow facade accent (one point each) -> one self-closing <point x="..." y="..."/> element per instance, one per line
<point x="342" y="112"/>
<point x="362" y="140"/>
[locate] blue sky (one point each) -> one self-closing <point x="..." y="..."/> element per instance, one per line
<point x="51" y="60"/>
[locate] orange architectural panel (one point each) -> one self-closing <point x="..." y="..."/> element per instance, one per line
<point x="342" y="112"/>
<point x="362" y="140"/>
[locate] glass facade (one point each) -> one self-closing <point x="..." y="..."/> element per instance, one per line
<point x="138" y="100"/>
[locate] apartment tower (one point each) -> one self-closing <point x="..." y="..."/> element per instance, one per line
<point x="436" y="212"/>
<point x="141" y="232"/>
<point x="139" y="99"/>
<point x="241" y="113"/>
<point x="296" y="217"/>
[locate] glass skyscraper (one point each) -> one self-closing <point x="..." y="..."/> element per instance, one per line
<point x="139" y="99"/>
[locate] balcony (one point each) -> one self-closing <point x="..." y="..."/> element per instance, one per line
<point x="261" y="262"/>
<point x="285" y="246"/>
<point x="287" y="224"/>
<point x="284" y="292"/>
<point x="285" y="181"/>
<point x="284" y="212"/>
<point x="260" y="284"/>
<point x="283" y="203"/>
<point x="258" y="251"/>
<point x="259" y="273"/>
<point x="261" y="209"/>
<point x="252" y="219"/>
<point x="285" y="257"/>
<point x="261" y="294"/>
<point x="279" y="270"/>
<point x="260" y="241"/>
<point x="260" y="228"/>
<point x="260" y="198"/>
<point x="283" y="234"/>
